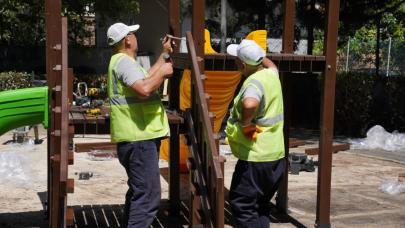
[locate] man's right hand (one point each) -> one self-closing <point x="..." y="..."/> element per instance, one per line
<point x="166" y="69"/>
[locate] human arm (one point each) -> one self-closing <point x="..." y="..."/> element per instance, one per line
<point x="158" y="72"/>
<point x="267" y="63"/>
<point x="166" y="49"/>
<point x="146" y="86"/>
<point x="249" y="108"/>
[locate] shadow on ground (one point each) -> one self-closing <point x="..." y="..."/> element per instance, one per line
<point x="92" y="216"/>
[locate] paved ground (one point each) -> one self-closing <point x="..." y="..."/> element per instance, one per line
<point x="356" y="200"/>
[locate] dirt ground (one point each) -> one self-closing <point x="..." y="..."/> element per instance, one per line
<point x="356" y="198"/>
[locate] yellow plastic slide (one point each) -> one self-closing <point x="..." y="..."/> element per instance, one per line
<point x="221" y="86"/>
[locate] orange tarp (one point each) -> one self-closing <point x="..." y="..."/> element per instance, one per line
<point x="221" y="86"/>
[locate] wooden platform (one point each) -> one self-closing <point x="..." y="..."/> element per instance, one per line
<point x="100" y="124"/>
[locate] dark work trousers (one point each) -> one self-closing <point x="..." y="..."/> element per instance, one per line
<point x="253" y="185"/>
<point x="141" y="161"/>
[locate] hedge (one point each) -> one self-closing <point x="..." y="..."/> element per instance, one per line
<point x="15" y="80"/>
<point x="361" y="100"/>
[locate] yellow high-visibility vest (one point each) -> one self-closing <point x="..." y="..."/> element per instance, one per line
<point x="133" y="118"/>
<point x="269" y="144"/>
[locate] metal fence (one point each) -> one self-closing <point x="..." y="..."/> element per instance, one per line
<point x="360" y="56"/>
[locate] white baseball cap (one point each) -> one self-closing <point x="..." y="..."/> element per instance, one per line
<point x="248" y="51"/>
<point x="118" y="31"/>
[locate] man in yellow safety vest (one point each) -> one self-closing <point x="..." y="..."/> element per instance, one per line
<point x="255" y="134"/>
<point x="137" y="121"/>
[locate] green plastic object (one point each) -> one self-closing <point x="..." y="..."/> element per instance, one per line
<point x="23" y="107"/>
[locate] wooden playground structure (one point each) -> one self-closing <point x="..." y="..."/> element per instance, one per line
<point x="204" y="163"/>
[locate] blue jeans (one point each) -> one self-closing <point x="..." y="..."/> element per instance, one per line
<point x="141" y="162"/>
<point x="253" y="185"/>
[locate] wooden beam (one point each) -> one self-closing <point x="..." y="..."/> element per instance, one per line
<point x="285" y="62"/>
<point x="86" y="147"/>
<point x="293" y="142"/>
<point x="335" y="149"/>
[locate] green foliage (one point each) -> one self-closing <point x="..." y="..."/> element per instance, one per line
<point x="362" y="101"/>
<point x="355" y="14"/>
<point x="15" y="80"/>
<point x="396" y="107"/>
<point x="393" y="27"/>
<point x="398" y="56"/>
<point x="119" y="10"/>
<point x="22" y="22"/>
<point x="353" y="101"/>
<point x="362" y="48"/>
<point x="318" y="42"/>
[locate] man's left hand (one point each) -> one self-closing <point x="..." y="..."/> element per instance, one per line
<point x="167" y="45"/>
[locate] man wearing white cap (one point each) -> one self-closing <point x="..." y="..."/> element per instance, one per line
<point x="255" y="134"/>
<point x="137" y="121"/>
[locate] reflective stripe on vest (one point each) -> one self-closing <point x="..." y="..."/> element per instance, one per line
<point x="263" y="101"/>
<point x="267" y="122"/>
<point x="133" y="118"/>
<point x="269" y="116"/>
<point x="132" y="100"/>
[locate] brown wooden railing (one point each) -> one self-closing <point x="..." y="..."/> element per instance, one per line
<point x="205" y="163"/>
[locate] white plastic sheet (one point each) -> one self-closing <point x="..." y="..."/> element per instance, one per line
<point x="13" y="169"/>
<point x="379" y="138"/>
<point x="225" y="150"/>
<point x="392" y="187"/>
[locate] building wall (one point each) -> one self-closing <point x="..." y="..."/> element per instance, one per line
<point x="153" y="20"/>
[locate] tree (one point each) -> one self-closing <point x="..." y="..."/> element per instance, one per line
<point x="254" y="11"/>
<point x="23" y="21"/>
<point x="355" y="14"/>
<point x="312" y="15"/>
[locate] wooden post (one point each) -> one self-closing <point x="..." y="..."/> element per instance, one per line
<point x="174" y="104"/>
<point x="174" y="20"/>
<point x="198" y="26"/>
<point x="53" y="31"/>
<point x="327" y="116"/>
<point x="288" y="41"/>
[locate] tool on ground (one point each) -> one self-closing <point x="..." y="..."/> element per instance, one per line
<point x="81" y="98"/>
<point x="85" y="175"/>
<point x="93" y="92"/>
<point x="300" y="162"/>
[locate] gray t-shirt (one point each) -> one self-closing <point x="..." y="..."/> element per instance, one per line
<point x="129" y="71"/>
<point x="253" y="92"/>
